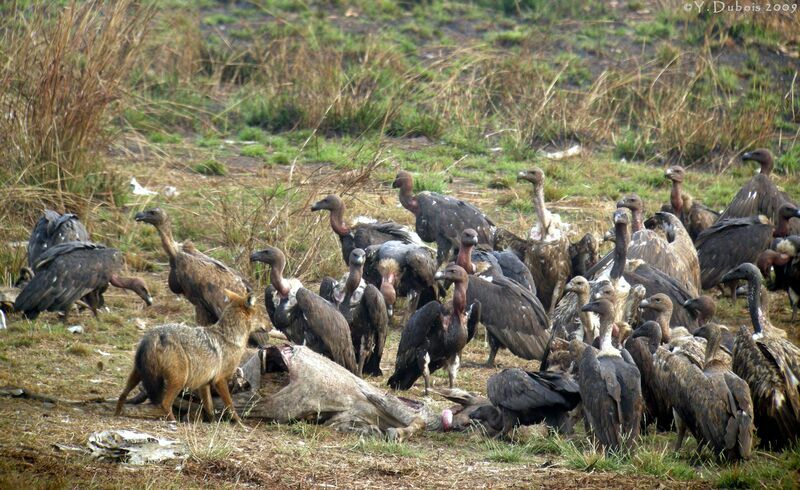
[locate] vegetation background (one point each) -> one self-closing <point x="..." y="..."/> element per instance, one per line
<point x="254" y="109"/>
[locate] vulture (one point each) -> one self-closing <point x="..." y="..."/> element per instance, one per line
<point x="720" y="414"/>
<point x="770" y="364"/>
<point x="546" y="253"/>
<point x="694" y="216"/>
<point x="491" y="263"/>
<point x="733" y="241"/>
<point x="610" y="386"/>
<point x="304" y="316"/>
<point x="402" y="269"/>
<point x="436" y="334"/>
<point x="527" y="398"/>
<point x="568" y="317"/>
<point x="583" y="255"/>
<point x="70" y="271"/>
<point x="52" y="229"/>
<point x="363" y="307"/>
<point x="781" y="269"/>
<point x="760" y="195"/>
<point x="644" y="347"/>
<point x="441" y="218"/>
<point x="524" y="332"/>
<point x="664" y="244"/>
<point x="193" y="274"/>
<point x="363" y="232"/>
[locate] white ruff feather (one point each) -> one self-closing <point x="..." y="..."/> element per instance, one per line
<point x="557" y="230"/>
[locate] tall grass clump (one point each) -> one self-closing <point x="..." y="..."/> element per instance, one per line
<point x="62" y="70"/>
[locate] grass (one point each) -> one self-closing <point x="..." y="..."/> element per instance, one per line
<point x="211" y="168"/>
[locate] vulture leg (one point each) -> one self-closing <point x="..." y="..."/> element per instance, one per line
<point x="424" y="359"/>
<point x="221" y="385"/>
<point x="133" y="381"/>
<point x="494" y="346"/>
<point x="509" y="422"/>
<point x="794" y="303"/>
<point x="680" y="427"/>
<point x="452" y="370"/>
<point x="363" y="353"/>
<point x="208" y="404"/>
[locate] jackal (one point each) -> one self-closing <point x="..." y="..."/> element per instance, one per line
<point x="175" y="356"/>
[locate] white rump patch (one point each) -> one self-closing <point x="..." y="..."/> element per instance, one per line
<point x="363" y="220"/>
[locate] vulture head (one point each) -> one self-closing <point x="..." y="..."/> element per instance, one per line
<point x="710" y="331"/>
<point x="746" y="271"/>
<point x="535" y="176"/>
<point x="331" y="203"/>
<point x="140" y="288"/>
<point x="659" y="303"/>
<point x="621" y="218"/>
<point x="469" y="237"/>
<point x="357" y="257"/>
<point x="632" y="202"/>
<point x="651" y="331"/>
<point x="155" y="217"/>
<point x="603" y="308"/>
<point x="606" y="291"/>
<point x="270" y="256"/>
<point x="452" y="274"/>
<point x="702" y="308"/>
<point x="769" y="258"/>
<point x="578" y="285"/>
<point x="788" y="211"/>
<point x="676" y="173"/>
<point x="403" y="181"/>
<point x="763" y="157"/>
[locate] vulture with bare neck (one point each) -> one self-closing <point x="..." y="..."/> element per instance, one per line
<point x="304" y="316"/>
<point x="546" y="253"/>
<point x="440" y="218"/>
<point x="525" y="331"/>
<point x="436" y="334"/>
<point x="695" y="216"/>
<point x="70" y="271"/>
<point x="760" y="195"/>
<point x="363" y="232"/>
<point x="770" y="364"/>
<point x="193" y="274"/>
<point x="363" y="307"/>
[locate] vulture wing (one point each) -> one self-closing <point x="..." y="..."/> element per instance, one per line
<point x="524" y="332"/>
<point x="728" y="244"/>
<point x="413" y="341"/>
<point x="326" y="329"/>
<point x="601" y="395"/>
<point x="378" y="318"/>
<point x="53" y="229"/>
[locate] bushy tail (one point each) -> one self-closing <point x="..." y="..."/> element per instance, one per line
<point x="147" y="365"/>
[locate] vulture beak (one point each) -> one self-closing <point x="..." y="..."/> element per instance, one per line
<point x="317" y="206"/>
<point x="621" y="203"/>
<point x="644" y="304"/>
<point x="396" y="184"/>
<point x="747" y="156"/>
<point x="148" y="300"/>
<point x="140" y="216"/>
<point x="390" y="310"/>
<point x="257" y="257"/>
<point x="668" y="172"/>
<point x="589" y="307"/>
<point x="359" y="260"/>
<point x="796" y="213"/>
<point x="439" y="275"/>
<point x="521" y="176"/>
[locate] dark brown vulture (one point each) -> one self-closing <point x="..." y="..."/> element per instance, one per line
<point x="702" y="308"/>
<point x="770" y="364"/>
<point x="760" y="195"/>
<point x="304" y="316"/>
<point x="363" y="307"/>
<point x="402" y="270"/>
<point x="441" y="219"/>
<point x="583" y="255"/>
<point x="490" y="263"/>
<point x="694" y="216"/>
<point x="363" y="232"/>
<point x="546" y="252"/>
<point x="644" y="346"/>
<point x="527" y="398"/>
<point x="734" y="241"/>
<point x="524" y="332"/>
<point x="610" y="386"/>
<point x="781" y="269"/>
<point x="436" y="334"/>
<point x="71" y="271"/>
<point x="52" y="229"/>
<point x="193" y="274"/>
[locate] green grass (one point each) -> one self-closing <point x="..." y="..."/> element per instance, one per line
<point x="254" y="151"/>
<point x="211" y="168"/>
<point x="430" y="182"/>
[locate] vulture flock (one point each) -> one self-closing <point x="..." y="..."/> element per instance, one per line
<point x="627" y="340"/>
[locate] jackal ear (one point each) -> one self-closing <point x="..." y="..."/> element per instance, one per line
<point x="231" y="297"/>
<point x="251" y="300"/>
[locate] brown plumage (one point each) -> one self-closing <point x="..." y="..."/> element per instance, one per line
<point x="694" y="216"/>
<point x="644" y="347"/>
<point x="663" y="243"/>
<point x="734" y="241"/>
<point x="760" y="195"/>
<point x="174" y="357"/>
<point x="303" y="315"/>
<point x="610" y="387"/>
<point x="198" y="277"/>
<point x="770" y="364"/>
<point x="71" y="271"/>
<point x="547" y="256"/>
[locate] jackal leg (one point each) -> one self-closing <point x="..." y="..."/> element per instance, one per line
<point x="133" y="381"/>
